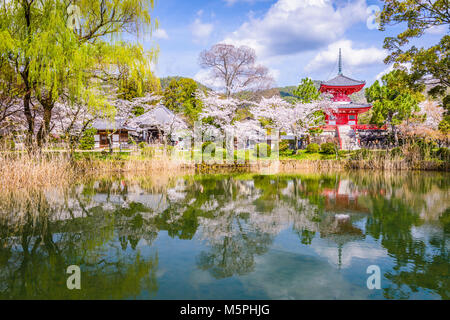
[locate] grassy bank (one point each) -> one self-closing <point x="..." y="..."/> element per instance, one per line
<point x="22" y="171"/>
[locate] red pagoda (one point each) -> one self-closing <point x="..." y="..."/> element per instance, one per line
<point x="341" y="87"/>
<point x="345" y="120"/>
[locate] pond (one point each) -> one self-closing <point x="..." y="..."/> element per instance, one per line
<point x="231" y="236"/>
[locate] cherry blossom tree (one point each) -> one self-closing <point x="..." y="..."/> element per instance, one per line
<point x="235" y="68"/>
<point x="125" y="108"/>
<point x="248" y="130"/>
<point x="217" y="111"/>
<point x="425" y="122"/>
<point x="217" y="118"/>
<point x="72" y="118"/>
<point x="296" y="119"/>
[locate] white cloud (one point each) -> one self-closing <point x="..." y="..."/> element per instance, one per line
<point x="437" y="29"/>
<point x="200" y="30"/>
<point x="391" y="68"/>
<point x="385" y="71"/>
<point x="274" y="73"/>
<point x="204" y="77"/>
<point x="160" y="34"/>
<point x="293" y="26"/>
<point x="354" y="59"/>
<point x="232" y="2"/>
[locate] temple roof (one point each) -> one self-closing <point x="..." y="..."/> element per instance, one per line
<point x="353" y="106"/>
<point x="108" y="124"/>
<point x="342" y="81"/>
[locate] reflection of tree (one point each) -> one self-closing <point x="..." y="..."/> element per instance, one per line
<point x="415" y="266"/>
<point x="234" y="255"/>
<point x="99" y="225"/>
<point x="35" y="256"/>
<point x="245" y="225"/>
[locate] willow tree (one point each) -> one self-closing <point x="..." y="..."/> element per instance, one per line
<point x="72" y="50"/>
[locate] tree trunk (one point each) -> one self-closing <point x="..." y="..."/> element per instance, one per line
<point x="110" y="143"/>
<point x="44" y="130"/>
<point x="394" y="129"/>
<point x="29" y="117"/>
<point x="295" y="144"/>
<point x="25" y="77"/>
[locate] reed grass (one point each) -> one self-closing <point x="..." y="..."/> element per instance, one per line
<point x="29" y="172"/>
<point x="24" y="171"/>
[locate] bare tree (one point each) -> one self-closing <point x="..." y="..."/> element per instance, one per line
<point x="235" y="67"/>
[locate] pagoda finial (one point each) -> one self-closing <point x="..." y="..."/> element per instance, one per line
<point x="340" y="61"/>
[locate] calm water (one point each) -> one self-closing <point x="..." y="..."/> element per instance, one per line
<point x="239" y="236"/>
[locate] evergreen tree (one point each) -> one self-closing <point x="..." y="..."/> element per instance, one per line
<point x="180" y="97"/>
<point x="393" y="101"/>
<point x="307" y="92"/>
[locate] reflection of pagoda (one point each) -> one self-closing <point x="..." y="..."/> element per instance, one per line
<point x="344" y="198"/>
<point x="340" y="230"/>
<point x="344" y="121"/>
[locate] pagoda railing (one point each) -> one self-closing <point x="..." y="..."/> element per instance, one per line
<point x="368" y="127"/>
<point x="354" y="127"/>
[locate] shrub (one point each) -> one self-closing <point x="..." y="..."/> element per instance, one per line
<point x="343" y="153"/>
<point x="283" y="146"/>
<point x="263" y="150"/>
<point x="413" y="152"/>
<point x="396" y="152"/>
<point x="7" y="143"/>
<point x="361" y="154"/>
<point x="209" y="147"/>
<point x="169" y="149"/>
<point x="12" y="144"/>
<point x="148" y="152"/>
<point x="426" y="148"/>
<point x="328" y="148"/>
<point x="313" y="148"/>
<point x="443" y="154"/>
<point x="87" y="141"/>
<point x="131" y="141"/>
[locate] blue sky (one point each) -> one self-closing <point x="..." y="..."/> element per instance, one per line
<point x="293" y="38"/>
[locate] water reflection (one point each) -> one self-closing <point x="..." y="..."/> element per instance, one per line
<point x="302" y="236"/>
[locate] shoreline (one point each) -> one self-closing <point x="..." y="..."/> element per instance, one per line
<point x="278" y="166"/>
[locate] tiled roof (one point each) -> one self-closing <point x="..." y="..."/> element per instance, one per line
<point x="353" y="106"/>
<point x="342" y="81"/>
<point x="157" y="116"/>
<point x="107" y="124"/>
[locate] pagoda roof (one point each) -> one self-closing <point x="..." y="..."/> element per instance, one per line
<point x="342" y="81"/>
<point x="353" y="106"/>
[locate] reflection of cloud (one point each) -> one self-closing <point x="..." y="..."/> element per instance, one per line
<point x="284" y="275"/>
<point x="360" y="250"/>
<point x="199" y="277"/>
